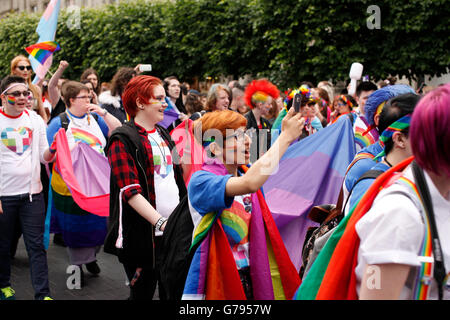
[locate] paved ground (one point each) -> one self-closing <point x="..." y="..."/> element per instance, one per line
<point x="109" y="285"/>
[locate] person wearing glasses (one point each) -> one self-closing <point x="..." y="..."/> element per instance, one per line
<point x="24" y="146"/>
<point x="146" y="186"/>
<point x="21" y="66"/>
<point x="84" y="123"/>
<point x="221" y="187"/>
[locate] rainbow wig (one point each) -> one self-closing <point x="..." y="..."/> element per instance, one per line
<point x="259" y="91"/>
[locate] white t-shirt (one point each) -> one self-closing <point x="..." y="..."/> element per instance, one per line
<point x="87" y="130"/>
<point x="393" y="231"/>
<point x="166" y="188"/>
<point x="24" y="141"/>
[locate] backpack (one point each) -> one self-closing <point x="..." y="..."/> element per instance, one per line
<point x="329" y="216"/>
<point x="176" y="252"/>
<point x="65" y="121"/>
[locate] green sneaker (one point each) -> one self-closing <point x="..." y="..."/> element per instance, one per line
<point x="7" y="294"/>
<point x="48" y="298"/>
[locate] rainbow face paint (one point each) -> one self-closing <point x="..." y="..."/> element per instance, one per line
<point x="11" y="100"/>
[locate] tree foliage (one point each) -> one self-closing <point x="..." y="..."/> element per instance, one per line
<point x="285" y="40"/>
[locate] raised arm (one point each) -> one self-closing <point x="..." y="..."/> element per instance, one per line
<point x="53" y="92"/>
<point x="260" y="171"/>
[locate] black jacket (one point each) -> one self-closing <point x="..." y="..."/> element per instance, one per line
<point x="138" y="233"/>
<point x="258" y="147"/>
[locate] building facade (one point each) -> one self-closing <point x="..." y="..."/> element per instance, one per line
<point x="40" y="5"/>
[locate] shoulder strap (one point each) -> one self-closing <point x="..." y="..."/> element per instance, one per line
<point x="422" y="187"/>
<point x="64" y="120"/>
<point x="371" y="174"/>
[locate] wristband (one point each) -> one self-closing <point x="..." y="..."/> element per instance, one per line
<point x="159" y="223"/>
<point x="104" y="113"/>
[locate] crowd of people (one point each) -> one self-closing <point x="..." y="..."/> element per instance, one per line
<point x="254" y="123"/>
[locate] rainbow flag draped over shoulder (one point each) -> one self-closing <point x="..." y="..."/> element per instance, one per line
<point x="213" y="274"/>
<point x="43" y="50"/>
<point x="310" y="173"/>
<point x="332" y="275"/>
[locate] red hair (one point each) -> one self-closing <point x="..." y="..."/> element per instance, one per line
<point x="139" y="87"/>
<point x="262" y="85"/>
<point x="220" y="120"/>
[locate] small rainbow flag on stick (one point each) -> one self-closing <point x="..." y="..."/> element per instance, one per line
<point x="42" y="50"/>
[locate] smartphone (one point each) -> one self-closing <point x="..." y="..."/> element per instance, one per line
<point x="297" y="102"/>
<point x="145" y="67"/>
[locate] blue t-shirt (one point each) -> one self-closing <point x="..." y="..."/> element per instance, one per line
<point x="362" y="166"/>
<point x="55" y="125"/>
<point x="362" y="186"/>
<point x="206" y="192"/>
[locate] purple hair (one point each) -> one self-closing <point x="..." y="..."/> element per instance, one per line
<point x="430" y="131"/>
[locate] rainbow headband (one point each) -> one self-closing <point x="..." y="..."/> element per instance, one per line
<point x="398" y="126"/>
<point x="346" y="101"/>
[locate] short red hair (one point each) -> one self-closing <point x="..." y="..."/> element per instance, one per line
<point x="220" y="120"/>
<point x="139" y="87"/>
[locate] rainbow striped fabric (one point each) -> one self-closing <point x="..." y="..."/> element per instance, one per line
<point x="332" y="275"/>
<point x="213" y="274"/>
<point x="78" y="206"/>
<point x="43" y="50"/>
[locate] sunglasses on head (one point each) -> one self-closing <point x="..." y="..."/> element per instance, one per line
<point x="24" y="67"/>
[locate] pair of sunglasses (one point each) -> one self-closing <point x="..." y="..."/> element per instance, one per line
<point x="24" y="67"/>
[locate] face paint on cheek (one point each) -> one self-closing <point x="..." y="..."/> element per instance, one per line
<point x="11" y="100"/>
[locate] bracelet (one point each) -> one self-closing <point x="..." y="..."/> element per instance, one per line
<point x="159" y="223"/>
<point x="104" y="113"/>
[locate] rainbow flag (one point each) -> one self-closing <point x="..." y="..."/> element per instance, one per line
<point x="363" y="139"/>
<point x="332" y="275"/>
<point x="190" y="151"/>
<point x="320" y="159"/>
<point x="43" y="50"/>
<point x="46" y="30"/>
<point x="213" y="274"/>
<point x="79" y="193"/>
<point x="170" y="115"/>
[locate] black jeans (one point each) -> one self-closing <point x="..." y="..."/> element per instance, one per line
<point x="145" y="285"/>
<point x="32" y="218"/>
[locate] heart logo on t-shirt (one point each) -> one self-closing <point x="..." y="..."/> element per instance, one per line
<point x="17" y="140"/>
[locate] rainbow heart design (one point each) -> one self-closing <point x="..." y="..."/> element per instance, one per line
<point x="17" y="140"/>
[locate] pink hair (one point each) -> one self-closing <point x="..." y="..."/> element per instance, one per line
<point x="430" y="131"/>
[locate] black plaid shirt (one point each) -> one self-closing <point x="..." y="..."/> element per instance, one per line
<point x="125" y="170"/>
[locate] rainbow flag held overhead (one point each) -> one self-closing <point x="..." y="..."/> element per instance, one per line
<point x="332" y="275"/>
<point x="46" y="30"/>
<point x="213" y="274"/>
<point x="43" y="50"/>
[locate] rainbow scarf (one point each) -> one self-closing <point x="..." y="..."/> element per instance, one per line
<point x="43" y="50"/>
<point x="213" y="274"/>
<point x="398" y="126"/>
<point x="332" y="275"/>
